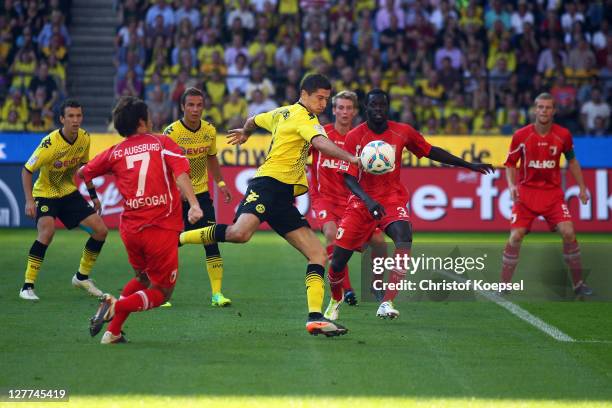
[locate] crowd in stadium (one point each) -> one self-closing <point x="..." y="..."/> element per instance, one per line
<point x="34" y="43"/>
<point x="451" y="67"/>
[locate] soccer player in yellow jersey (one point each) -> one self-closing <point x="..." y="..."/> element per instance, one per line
<point x="270" y="194"/>
<point x="198" y="139"/>
<point x="55" y="195"/>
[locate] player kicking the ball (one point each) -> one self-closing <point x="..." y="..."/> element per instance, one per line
<point x="380" y="200"/>
<point x="148" y="169"/>
<point x="271" y="193"/>
<point x="330" y="195"/>
<point x="538" y="147"/>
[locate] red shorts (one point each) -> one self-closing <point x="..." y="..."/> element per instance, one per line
<point x="324" y="211"/>
<point x="358" y="225"/>
<point x="154" y="251"/>
<point x="535" y="202"/>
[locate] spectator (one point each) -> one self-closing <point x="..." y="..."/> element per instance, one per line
<point x="209" y="46"/>
<point x="12" y="122"/>
<point x="211" y="113"/>
<point x="496" y="12"/>
<point x="242" y="13"/>
<point x="259" y="82"/>
<point x="262" y="45"/>
<point x="581" y="57"/>
<point x="385" y="13"/>
<point x="564" y="95"/>
<point x="521" y="16"/>
<point x="23" y="68"/>
<point x="37" y="123"/>
<point x="236" y="48"/>
<point x="398" y="91"/>
<point x="130" y="85"/>
<point x="159" y="109"/>
<point x="189" y="12"/>
<point x="183" y="45"/>
<point x="570" y="16"/>
<point x="235" y="110"/>
<point x="449" y="51"/>
<point x="450" y="77"/>
<point x="216" y="88"/>
<point x="131" y="63"/>
<point x="160" y="8"/>
<point x="16" y="101"/>
<point x="260" y="104"/>
<point x="488" y="126"/>
<point x="600" y="129"/>
<point x="316" y="52"/>
<point x="238" y="75"/>
<point x="594" y="108"/>
<point x="504" y="51"/>
<point x="288" y="56"/>
<point x="513" y="124"/>
<point x="455" y="126"/>
<point x="43" y="80"/>
<point x="54" y="25"/>
<point x="441" y="15"/>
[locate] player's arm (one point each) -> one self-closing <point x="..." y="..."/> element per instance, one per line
<point x="239" y="136"/>
<point x="215" y="170"/>
<point x="183" y="183"/>
<point x="26" y="181"/>
<point x="326" y="146"/>
<point x="576" y="171"/>
<point x="374" y="207"/>
<point x="442" y="156"/>
<point x="511" y="179"/>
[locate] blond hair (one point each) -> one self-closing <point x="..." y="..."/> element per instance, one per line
<point x="350" y="95"/>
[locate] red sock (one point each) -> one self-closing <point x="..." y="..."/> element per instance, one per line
<point x="132" y="286"/>
<point x="396" y="275"/>
<point x="510" y="259"/>
<point x="571" y="255"/>
<point x="136" y="302"/>
<point x="335" y="283"/>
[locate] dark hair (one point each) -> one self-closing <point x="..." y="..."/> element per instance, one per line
<point x="68" y="103"/>
<point x="191" y="92"/>
<point x="375" y="92"/>
<point x="127" y="115"/>
<point x="313" y="82"/>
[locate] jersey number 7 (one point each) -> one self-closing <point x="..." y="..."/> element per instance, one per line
<point x="144" y="167"/>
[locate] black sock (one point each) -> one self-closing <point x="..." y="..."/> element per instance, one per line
<point x="81" y="277"/>
<point x="219" y="234"/>
<point x="315" y="315"/>
<point x="27" y="286"/>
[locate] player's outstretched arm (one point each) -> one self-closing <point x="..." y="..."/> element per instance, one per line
<point x="574" y="168"/>
<point x="442" y="156"/>
<point x="326" y="146"/>
<point x="239" y="136"/>
<point x="183" y="182"/>
<point x="374" y="207"/>
<point x="511" y="179"/>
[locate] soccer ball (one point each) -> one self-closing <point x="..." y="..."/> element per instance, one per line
<point x="378" y="157"/>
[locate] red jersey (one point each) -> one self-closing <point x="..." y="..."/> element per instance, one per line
<point x="326" y="180"/>
<point x="384" y="186"/>
<point x="145" y="167"/>
<point x="539" y="155"/>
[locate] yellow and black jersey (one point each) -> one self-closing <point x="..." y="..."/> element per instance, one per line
<point x="292" y="128"/>
<point x="197" y="145"/>
<point x="58" y="160"/>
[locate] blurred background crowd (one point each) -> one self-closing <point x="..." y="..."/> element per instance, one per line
<point x="450" y="67"/>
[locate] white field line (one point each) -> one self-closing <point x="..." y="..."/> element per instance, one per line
<point x="518" y="311"/>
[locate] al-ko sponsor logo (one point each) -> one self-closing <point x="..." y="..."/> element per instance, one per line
<point x="10" y="213"/>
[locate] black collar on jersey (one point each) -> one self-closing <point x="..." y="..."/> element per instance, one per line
<point x="64" y="137"/>
<point x="189" y="129"/>
<point x="310" y="114"/>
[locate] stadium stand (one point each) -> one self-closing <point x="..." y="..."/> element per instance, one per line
<point x="449" y="66"/>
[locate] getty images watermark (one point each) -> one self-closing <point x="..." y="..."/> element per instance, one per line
<point x="442" y="266"/>
<point x="461" y="271"/>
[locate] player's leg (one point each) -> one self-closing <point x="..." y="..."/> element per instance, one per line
<point x="45" y="227"/>
<point x="98" y="232"/>
<point x="305" y="241"/>
<point x="378" y="249"/>
<point x="572" y="257"/>
<point x="337" y="280"/>
<point x="162" y="270"/>
<point x="338" y="272"/>
<point x="401" y="233"/>
<point x="510" y="256"/>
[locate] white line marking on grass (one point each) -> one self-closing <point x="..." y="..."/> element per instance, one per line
<point x="518" y="311"/>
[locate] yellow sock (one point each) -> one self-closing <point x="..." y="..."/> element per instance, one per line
<point x="204" y="236"/>
<point x="315" y="289"/>
<point x="35" y="260"/>
<point x="90" y="254"/>
<point x="214" y="266"/>
<point x="32" y="269"/>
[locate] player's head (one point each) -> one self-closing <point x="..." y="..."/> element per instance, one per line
<point x="71" y="115"/>
<point x="192" y="104"/>
<point x="315" y="90"/>
<point x="344" y="107"/>
<point x="544" y="108"/>
<point x="377" y="106"/>
<point x="130" y="114"/>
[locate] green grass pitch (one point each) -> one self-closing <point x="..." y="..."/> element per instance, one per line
<point x="258" y="353"/>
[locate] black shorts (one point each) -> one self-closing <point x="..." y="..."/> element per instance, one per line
<point x="272" y="201"/>
<point x="70" y="209"/>
<point x="206" y="205"/>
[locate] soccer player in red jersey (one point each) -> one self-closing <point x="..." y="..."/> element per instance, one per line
<point x="330" y="195"/>
<point x="537" y="149"/>
<point x="149" y="170"/>
<point x="381" y="200"/>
